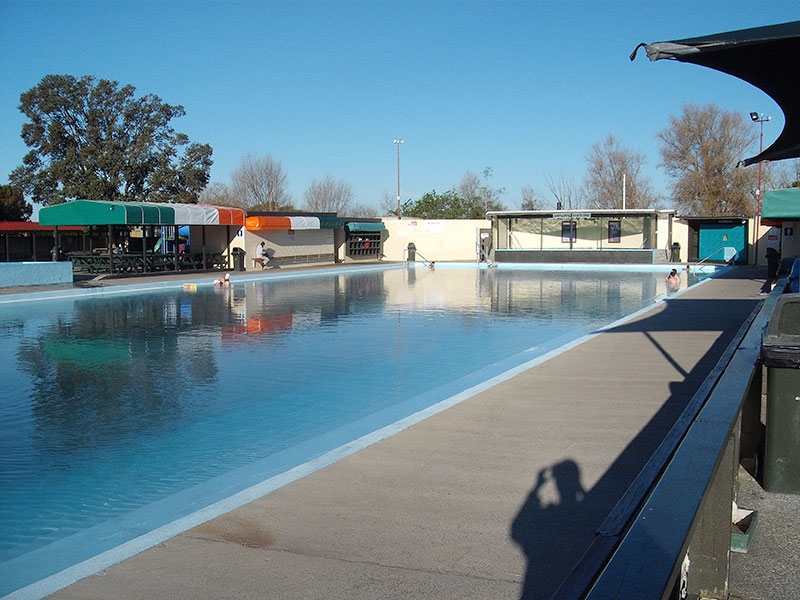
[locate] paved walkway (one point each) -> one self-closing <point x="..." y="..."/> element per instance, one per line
<point x="496" y="497"/>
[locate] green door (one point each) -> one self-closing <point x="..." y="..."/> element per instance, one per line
<point x="713" y="237"/>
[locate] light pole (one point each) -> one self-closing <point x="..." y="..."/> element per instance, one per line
<point x="760" y="119"/>
<point x="398" y="142"/>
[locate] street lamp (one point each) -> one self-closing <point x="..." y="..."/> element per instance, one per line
<point x="398" y="142"/>
<point x="760" y="119"/>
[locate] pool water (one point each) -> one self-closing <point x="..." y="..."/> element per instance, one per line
<point x="124" y="412"/>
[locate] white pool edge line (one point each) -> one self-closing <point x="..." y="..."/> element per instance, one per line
<point x="91" y="566"/>
<point x="68" y="293"/>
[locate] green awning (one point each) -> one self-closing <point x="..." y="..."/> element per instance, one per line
<point x="781" y="204"/>
<point x="365" y="227"/>
<point x="326" y="222"/>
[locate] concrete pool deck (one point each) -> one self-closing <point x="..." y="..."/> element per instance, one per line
<point x="452" y="507"/>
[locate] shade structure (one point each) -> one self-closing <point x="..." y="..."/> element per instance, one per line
<point x="766" y="57"/>
<point x="294" y="222"/>
<point x="779" y="205"/>
<point x="365" y="227"/>
<point x="98" y="212"/>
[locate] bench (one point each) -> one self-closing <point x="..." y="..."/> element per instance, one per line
<point x="302" y="259"/>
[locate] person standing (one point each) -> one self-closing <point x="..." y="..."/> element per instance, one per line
<point x="773" y="263"/>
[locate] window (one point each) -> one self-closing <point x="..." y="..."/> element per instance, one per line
<point x="614" y="232"/>
<point x="568" y="227"/>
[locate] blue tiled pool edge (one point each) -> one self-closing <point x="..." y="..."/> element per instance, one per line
<point x="70" y="575"/>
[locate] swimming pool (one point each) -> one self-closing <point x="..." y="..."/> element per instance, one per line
<point x="124" y="412"/>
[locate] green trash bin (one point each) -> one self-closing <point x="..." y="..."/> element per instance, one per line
<point x="780" y="354"/>
<point x="238" y="259"/>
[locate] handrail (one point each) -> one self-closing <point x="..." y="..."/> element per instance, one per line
<point x="424" y="260"/>
<point x="723" y="248"/>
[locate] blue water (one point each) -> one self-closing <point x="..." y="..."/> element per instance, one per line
<point x="121" y="413"/>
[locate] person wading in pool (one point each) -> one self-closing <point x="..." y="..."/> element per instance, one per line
<point x="673" y="281"/>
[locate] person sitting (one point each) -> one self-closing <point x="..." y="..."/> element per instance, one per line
<point x="263" y="257"/>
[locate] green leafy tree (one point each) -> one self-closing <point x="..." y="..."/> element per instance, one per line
<point x="94" y="140"/>
<point x="12" y="204"/>
<point x="449" y="205"/>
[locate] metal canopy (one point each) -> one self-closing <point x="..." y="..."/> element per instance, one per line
<point x="96" y="212"/>
<point x="766" y="57"/>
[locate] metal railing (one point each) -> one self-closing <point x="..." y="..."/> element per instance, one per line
<point x="669" y="535"/>
<point x="728" y="255"/>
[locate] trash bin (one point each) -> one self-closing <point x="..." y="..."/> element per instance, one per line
<point x="780" y="354"/>
<point x="238" y="259"/>
<point x="676" y="252"/>
<point x="412" y="252"/>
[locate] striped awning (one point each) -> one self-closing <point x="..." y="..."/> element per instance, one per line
<point x="98" y="212"/>
<point x="284" y="223"/>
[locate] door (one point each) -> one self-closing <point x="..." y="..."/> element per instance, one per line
<point x="714" y="237"/>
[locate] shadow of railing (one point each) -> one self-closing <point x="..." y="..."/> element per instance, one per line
<point x="554" y="536"/>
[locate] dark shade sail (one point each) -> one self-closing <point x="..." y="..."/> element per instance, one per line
<point x="767" y="57"/>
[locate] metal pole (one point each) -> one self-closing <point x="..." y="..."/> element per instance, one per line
<point x="758" y="189"/>
<point x="399" y="213"/>
<point x="624" y="186"/>
<point x="760" y="119"/>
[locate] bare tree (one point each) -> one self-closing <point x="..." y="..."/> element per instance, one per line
<point x="785" y="174"/>
<point x="473" y="190"/>
<point x="700" y="151"/>
<point x="565" y="192"/>
<point x="217" y="194"/>
<point x="363" y="212"/>
<point x="615" y="174"/>
<point x="530" y="199"/>
<point x="329" y="195"/>
<point x="260" y="183"/>
<point x="388" y="204"/>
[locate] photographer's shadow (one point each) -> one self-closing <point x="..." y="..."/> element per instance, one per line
<point x="551" y="533"/>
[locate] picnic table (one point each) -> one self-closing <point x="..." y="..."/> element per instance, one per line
<point x="102" y="262"/>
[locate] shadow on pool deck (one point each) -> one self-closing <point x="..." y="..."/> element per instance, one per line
<point x="496" y="497"/>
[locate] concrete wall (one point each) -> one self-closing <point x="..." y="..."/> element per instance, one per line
<point x="35" y="273"/>
<point x="790" y="240"/>
<point x="286" y="245"/>
<point x="445" y="240"/>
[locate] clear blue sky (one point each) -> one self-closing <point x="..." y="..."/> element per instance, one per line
<point x="325" y="87"/>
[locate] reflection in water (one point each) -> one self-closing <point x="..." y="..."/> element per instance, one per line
<point x="112" y="403"/>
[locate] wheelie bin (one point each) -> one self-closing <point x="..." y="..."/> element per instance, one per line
<point x="780" y="354"/>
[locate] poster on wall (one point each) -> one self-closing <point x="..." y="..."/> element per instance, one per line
<point x="774" y="237"/>
<point x="434" y="226"/>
